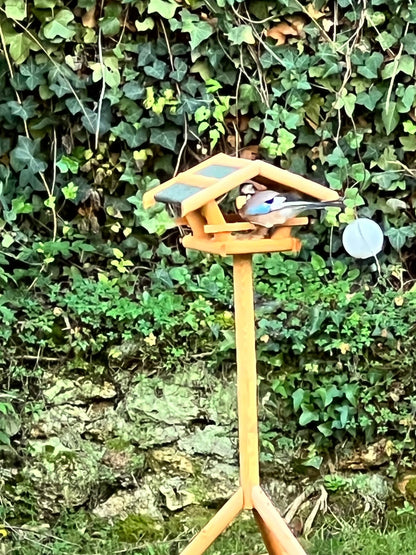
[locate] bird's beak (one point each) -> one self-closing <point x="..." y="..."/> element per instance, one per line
<point x="240" y="202"/>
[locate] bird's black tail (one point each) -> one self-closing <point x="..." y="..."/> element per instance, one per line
<point x="318" y="205"/>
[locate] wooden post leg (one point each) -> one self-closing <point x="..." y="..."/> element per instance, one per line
<point x="277" y="531"/>
<point x="273" y="545"/>
<point x="246" y="375"/>
<point x="216" y="525"/>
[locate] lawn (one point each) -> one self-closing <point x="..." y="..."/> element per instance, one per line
<point x="395" y="536"/>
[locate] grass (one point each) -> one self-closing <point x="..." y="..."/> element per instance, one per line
<point x="397" y="537"/>
<point x="78" y="534"/>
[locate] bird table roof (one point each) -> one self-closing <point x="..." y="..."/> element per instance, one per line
<point x="218" y="175"/>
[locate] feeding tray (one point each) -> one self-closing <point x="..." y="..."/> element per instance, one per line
<point x="195" y="195"/>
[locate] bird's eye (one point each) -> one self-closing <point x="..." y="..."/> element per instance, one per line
<point x="270" y="201"/>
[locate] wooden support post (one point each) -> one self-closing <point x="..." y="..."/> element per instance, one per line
<point x="245" y="340"/>
<point x="276" y="534"/>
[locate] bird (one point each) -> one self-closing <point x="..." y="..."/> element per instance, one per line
<point x="267" y="208"/>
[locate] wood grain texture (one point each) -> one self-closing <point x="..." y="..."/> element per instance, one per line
<point x="216" y="525"/>
<point x="245" y="340"/>
<point x="275" y="526"/>
<point x="241" y="246"/>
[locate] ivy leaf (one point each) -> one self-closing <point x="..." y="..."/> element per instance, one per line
<point x="60" y="87"/>
<point x="369" y="99"/>
<point x="109" y="26"/>
<point x="406" y="101"/>
<point x="240" y="34"/>
<point x="19" y="47"/>
<point x="157" y="70"/>
<point x="164" y="137"/>
<point x="59" y="27"/>
<point x="349" y="104"/>
<point x="398" y="236"/>
<point x="336" y="178"/>
<point x="351" y="391"/>
<point x="396" y="204"/>
<point x="145" y="25"/>
<point x="388" y="180"/>
<point x="27" y="177"/>
<point x="109" y="70"/>
<point x="386" y="40"/>
<point x="314" y="462"/>
<point x="156" y="220"/>
<point x="343" y="415"/>
<point x="198" y="30"/>
<point x="358" y="172"/>
<point x="15" y="9"/>
<point x="25" y="110"/>
<point x="165" y="8"/>
<point x="89" y="119"/>
<point x="68" y="163"/>
<point x="297" y="398"/>
<point x="409" y="43"/>
<point x="110" y="23"/>
<point x="346" y="101"/>
<point x="325" y="429"/>
<point x="27" y="155"/>
<point x="409" y="127"/>
<point x="87" y="4"/>
<point x="372" y="64"/>
<point x="73" y="105"/>
<point x="286" y="141"/>
<point x="133" y="137"/>
<point x="134" y="90"/>
<point x="408" y="143"/>
<point x="308" y="416"/>
<point x="19" y="206"/>
<point x="407" y="64"/>
<point x="146" y="55"/>
<point x="34" y="74"/>
<point x="390" y="117"/>
<point x="181" y="69"/>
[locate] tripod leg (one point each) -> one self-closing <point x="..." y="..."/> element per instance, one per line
<point x="216" y="525"/>
<point x="276" y="531"/>
<point x="274" y="547"/>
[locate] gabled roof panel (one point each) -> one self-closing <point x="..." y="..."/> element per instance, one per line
<point x="177" y="193"/>
<point x="216" y="170"/>
<point x="219" y="174"/>
<point x="297" y="182"/>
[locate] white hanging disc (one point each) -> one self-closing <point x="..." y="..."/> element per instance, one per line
<point x="363" y="238"/>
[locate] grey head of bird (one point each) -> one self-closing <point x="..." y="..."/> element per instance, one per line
<point x="251" y="187"/>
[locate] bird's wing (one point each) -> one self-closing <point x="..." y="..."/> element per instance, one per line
<point x="260" y="203"/>
<point x="263" y="202"/>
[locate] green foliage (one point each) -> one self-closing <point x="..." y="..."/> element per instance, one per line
<point x="119" y="94"/>
<point x="328" y="342"/>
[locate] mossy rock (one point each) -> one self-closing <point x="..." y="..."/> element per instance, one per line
<point x="410" y="489"/>
<point x="136" y="527"/>
<point x="193" y="517"/>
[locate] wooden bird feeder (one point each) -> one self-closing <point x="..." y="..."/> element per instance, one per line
<point x="195" y="195"/>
